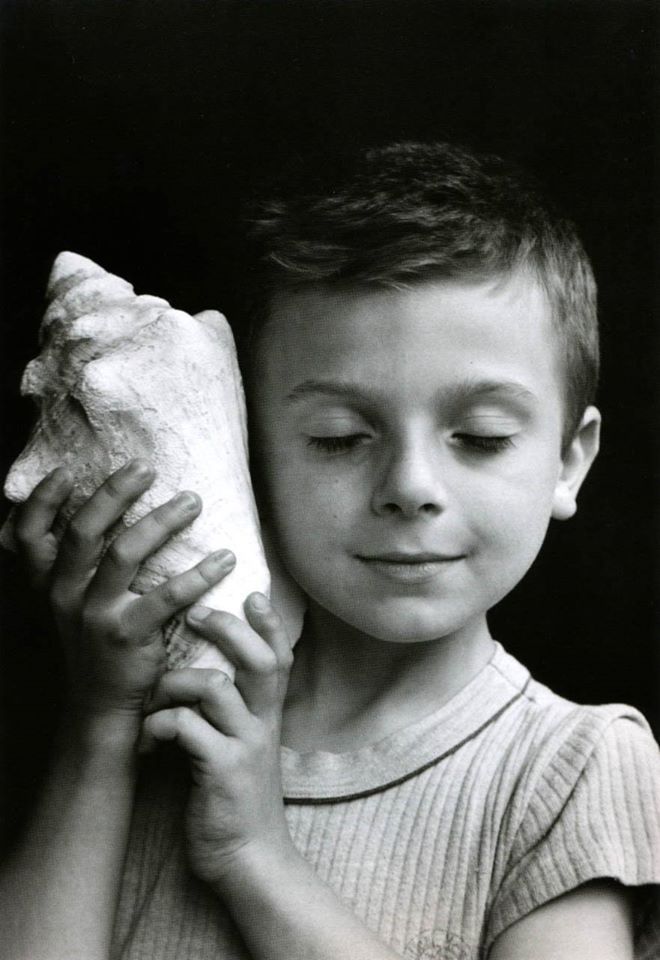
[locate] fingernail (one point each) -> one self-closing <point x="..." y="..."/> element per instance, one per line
<point x="187" y="500"/>
<point x="197" y="614"/>
<point x="259" y="602"/>
<point x="221" y="560"/>
<point x="139" y="469"/>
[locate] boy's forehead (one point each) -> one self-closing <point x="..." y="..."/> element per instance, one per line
<point x="331" y="310"/>
<point x="311" y="302"/>
<point x="491" y="327"/>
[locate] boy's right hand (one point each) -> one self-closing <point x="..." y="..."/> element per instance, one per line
<point x="111" y="637"/>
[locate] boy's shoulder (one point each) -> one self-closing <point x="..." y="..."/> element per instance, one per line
<point x="583" y="799"/>
<point x="554" y="737"/>
<point x="539" y="704"/>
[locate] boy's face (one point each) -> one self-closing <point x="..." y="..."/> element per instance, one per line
<point x="410" y="446"/>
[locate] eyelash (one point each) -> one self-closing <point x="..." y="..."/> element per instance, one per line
<point x="484" y="444"/>
<point x="335" y="444"/>
<point x="350" y="441"/>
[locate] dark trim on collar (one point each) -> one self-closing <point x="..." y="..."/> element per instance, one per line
<point x="345" y="798"/>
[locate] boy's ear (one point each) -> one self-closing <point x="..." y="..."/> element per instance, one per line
<point x="576" y="462"/>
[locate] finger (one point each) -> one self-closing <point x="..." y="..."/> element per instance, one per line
<point x="212" y="690"/>
<point x="264" y="618"/>
<point x="83" y="540"/>
<point x="34" y="520"/>
<point x="182" y="725"/>
<point x="148" y="613"/>
<point x="121" y="561"/>
<point x="260" y="677"/>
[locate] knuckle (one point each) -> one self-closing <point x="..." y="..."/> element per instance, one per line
<point x="119" y="553"/>
<point x="259" y="739"/>
<point x="286" y="660"/>
<point x="24" y="539"/>
<point x="118" y="631"/>
<point x="182" y="717"/>
<point x="25" y="534"/>
<point x="79" y="534"/>
<point x="267" y="664"/>
<point x="217" y="682"/>
<point x="95" y="626"/>
<point x="174" y="593"/>
<point x="121" y="639"/>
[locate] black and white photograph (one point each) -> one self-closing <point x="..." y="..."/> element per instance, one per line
<point x="330" y="536"/>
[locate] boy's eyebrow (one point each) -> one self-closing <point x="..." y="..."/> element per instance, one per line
<point x="454" y="393"/>
<point x="333" y="388"/>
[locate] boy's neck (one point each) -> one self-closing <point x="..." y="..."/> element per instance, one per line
<point x="348" y="689"/>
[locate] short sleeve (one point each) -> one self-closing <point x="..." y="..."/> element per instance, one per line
<point x="594" y="813"/>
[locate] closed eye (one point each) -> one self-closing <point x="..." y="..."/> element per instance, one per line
<point x="334" y="444"/>
<point x="483" y="444"/>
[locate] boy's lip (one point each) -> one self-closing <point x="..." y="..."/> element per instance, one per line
<point x="399" y="556"/>
<point x="409" y="568"/>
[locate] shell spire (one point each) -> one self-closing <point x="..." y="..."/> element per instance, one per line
<point x="68" y="265"/>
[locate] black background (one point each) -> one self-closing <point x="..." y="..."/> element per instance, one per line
<point x="131" y="130"/>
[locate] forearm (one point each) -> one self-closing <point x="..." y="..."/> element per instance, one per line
<point x="285" y="912"/>
<point x="59" y="890"/>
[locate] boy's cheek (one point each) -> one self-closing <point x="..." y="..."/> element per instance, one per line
<point x="294" y="482"/>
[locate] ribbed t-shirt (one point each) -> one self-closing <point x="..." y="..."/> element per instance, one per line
<point x="439" y="836"/>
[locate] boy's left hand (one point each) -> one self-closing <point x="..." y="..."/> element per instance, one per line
<point x="235" y="812"/>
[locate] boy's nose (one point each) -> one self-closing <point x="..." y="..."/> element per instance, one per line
<point x="410" y="485"/>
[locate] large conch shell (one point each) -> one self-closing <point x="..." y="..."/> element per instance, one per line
<point x="121" y="376"/>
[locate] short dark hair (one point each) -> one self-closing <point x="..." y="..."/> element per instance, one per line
<point x="411" y="212"/>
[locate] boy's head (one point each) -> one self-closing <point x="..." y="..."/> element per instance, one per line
<point x="408" y="213"/>
<point x="419" y="379"/>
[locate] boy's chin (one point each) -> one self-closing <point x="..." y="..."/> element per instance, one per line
<point x="415" y="626"/>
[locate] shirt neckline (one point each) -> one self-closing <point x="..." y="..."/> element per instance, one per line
<point x="319" y="776"/>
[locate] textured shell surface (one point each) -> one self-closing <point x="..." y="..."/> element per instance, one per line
<point x="121" y="375"/>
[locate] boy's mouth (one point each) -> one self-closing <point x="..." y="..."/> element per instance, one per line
<point x="400" y="556"/>
<point x="409" y="567"/>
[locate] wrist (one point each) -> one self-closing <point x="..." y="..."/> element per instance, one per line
<point x="111" y="735"/>
<point x="257" y="871"/>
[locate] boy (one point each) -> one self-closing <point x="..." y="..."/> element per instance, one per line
<point x="420" y="373"/>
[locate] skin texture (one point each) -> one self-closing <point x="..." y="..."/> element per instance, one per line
<point x="593" y="921"/>
<point x="384" y="642"/>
